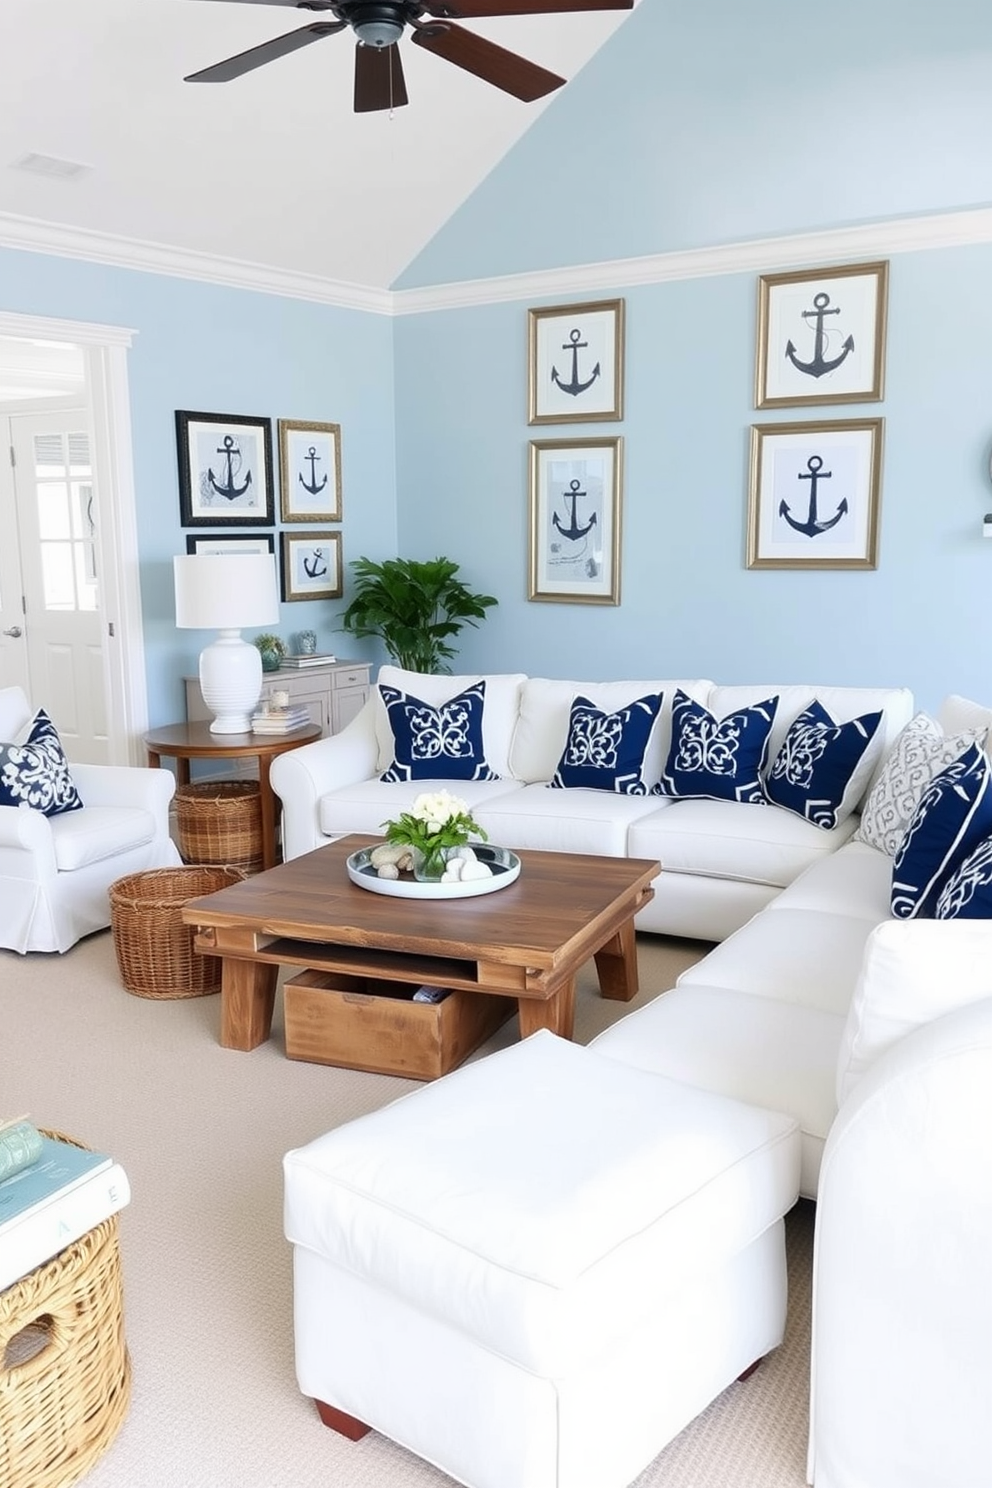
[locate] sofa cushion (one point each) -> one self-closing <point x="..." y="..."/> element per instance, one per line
<point x="717" y="759"/>
<point x="545" y="709"/>
<point x="35" y="772"/>
<point x="967" y="894"/>
<point x="919" y="753"/>
<point x="605" y="751"/>
<point x="823" y="767"/>
<point x="499" y="716"/>
<point x="803" y="956"/>
<point x="755" y="1049"/>
<point x="912" y="972"/>
<point x="442" y="743"/>
<point x="99" y="832"/>
<point x="368" y="805"/>
<point x="726" y="839"/>
<point x="586" y="821"/>
<point x="856" y="880"/>
<point x="953" y="816"/>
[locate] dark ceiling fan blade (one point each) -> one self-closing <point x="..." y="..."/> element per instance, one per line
<point x="494" y="64"/>
<point x="379" y="81"/>
<point x="281" y="46"/>
<point x="467" y="10"/>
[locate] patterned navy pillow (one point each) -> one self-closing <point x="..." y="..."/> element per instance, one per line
<point x="967" y="894"/>
<point x="36" y="773"/>
<point x="953" y="817"/>
<point x="822" y="768"/>
<point x="605" y="751"/>
<point x="717" y="759"/>
<point x="442" y="743"/>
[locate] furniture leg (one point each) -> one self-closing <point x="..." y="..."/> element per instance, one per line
<point x="247" y="997"/>
<point x="267" y="802"/>
<point x="556" y="1014"/>
<point x="341" y="1422"/>
<point x="616" y="963"/>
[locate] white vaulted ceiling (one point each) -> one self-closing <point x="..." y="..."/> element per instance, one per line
<point x="273" y="169"/>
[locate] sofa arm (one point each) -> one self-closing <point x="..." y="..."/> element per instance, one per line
<point x="912" y="972"/>
<point x="302" y="776"/>
<point x="125" y="785"/>
<point x="26" y="846"/>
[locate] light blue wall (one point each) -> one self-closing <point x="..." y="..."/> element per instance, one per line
<point x="212" y="349"/>
<point x="696" y="126"/>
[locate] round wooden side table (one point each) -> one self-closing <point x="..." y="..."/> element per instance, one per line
<point x="189" y="741"/>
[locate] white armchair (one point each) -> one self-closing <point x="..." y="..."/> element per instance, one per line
<point x="55" y="871"/>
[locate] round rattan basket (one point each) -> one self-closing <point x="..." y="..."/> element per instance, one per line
<point x="155" y="955"/>
<point x="220" y="821"/>
<point x="65" y="1374"/>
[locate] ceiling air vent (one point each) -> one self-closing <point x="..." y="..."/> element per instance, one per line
<point x="50" y="165"/>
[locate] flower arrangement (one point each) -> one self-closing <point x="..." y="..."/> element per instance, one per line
<point x="436" y="823"/>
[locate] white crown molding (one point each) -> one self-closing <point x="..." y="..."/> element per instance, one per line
<point x="762" y="255"/>
<point x="76" y="332"/>
<point x="154" y="258"/>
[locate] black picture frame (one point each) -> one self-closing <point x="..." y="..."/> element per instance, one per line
<point x="239" y="493"/>
<point x="233" y="542"/>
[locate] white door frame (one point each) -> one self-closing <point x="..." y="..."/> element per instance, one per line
<point x="105" y="352"/>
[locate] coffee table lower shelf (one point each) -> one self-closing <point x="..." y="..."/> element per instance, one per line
<point x="365" y="1023"/>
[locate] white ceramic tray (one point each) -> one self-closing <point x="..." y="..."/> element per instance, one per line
<point x="504" y="864"/>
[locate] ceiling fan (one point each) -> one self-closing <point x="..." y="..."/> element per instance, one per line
<point x="379" y="24"/>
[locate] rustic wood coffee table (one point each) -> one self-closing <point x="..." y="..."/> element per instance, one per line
<point x="526" y="941"/>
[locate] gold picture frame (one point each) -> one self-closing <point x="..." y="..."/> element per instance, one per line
<point x="311" y="566"/>
<point x="575" y="359"/>
<point x="309" y="471"/>
<point x="792" y="521"/>
<point x="575" y="520"/>
<point x="821" y="336"/>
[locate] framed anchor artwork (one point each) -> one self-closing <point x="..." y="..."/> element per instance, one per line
<point x="575" y="519"/>
<point x="575" y="363"/>
<point x="814" y="494"/>
<point x="309" y="471"/>
<point x="821" y="336"/>
<point x="311" y="566"/>
<point x="225" y="470"/>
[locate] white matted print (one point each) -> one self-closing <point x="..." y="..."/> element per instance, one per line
<point x="225" y="469"/>
<point x="814" y="495"/>
<point x="575" y="492"/>
<point x="575" y="363"/>
<point x="311" y="565"/>
<point x="821" y="336"/>
<point x="310" y="471"/>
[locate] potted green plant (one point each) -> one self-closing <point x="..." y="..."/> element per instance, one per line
<point x="414" y="608"/>
<point x="272" y="649"/>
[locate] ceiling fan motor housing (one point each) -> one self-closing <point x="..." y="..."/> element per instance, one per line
<point x="377" y="23"/>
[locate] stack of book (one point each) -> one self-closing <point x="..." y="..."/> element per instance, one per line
<point x="310" y="658"/>
<point x="280" y="720"/>
<point x="53" y="1200"/>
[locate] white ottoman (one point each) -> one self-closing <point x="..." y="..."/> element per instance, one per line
<point x="534" y="1272"/>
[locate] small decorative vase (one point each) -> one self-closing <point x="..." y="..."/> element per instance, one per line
<point x="271" y="661"/>
<point x="307" y="642"/>
<point x="429" y="867"/>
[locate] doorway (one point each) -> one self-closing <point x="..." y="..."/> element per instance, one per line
<point x="70" y="618"/>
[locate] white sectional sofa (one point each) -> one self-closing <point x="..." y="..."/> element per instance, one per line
<point x="873" y="1033"/>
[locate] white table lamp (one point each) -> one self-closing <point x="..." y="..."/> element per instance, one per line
<point x="224" y="592"/>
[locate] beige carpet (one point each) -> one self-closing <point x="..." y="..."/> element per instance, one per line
<point x="201" y="1132"/>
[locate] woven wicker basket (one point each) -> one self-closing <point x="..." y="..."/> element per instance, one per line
<point x="220" y="821"/>
<point x="155" y="954"/>
<point x="65" y="1374"/>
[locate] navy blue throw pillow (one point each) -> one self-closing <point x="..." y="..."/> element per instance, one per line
<point x="442" y="743"/>
<point x="967" y="894"/>
<point x="605" y="751"/>
<point x="822" y="768"/>
<point x="717" y="759"/>
<point x="953" y="816"/>
<point x="36" y="773"/>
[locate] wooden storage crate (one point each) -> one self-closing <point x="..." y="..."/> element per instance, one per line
<point x="364" y="1023"/>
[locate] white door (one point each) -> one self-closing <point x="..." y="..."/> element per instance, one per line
<point x="60" y="662"/>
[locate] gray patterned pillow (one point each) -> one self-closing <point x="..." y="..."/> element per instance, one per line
<point x="920" y="752"/>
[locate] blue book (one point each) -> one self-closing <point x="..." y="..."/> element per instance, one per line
<point x="60" y="1167"/>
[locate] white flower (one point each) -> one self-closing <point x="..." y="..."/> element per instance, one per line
<point x="437" y="807"/>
